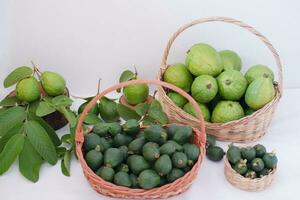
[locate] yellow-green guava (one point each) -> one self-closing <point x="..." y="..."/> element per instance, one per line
<point x="258" y="71"/>
<point x="191" y="110"/>
<point x="178" y="99"/>
<point x="135" y="94"/>
<point x="231" y="60"/>
<point x="204" y="88"/>
<point x="53" y="83"/>
<point x="28" y="89"/>
<point x="226" y="111"/>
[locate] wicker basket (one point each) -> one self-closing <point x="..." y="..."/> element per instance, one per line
<point x="251" y="185"/>
<point x="110" y="189"/>
<point x="249" y="128"/>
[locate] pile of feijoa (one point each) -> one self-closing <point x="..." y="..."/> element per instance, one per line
<point x="129" y="156"/>
<point x="251" y="162"/>
<point x="213" y="152"/>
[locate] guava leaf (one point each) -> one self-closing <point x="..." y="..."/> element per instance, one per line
<point x="158" y="115"/>
<point x="127" y="75"/>
<point x="41" y="141"/>
<point x="17" y="129"/>
<point x="155" y="105"/>
<point x="62" y="100"/>
<point x="65" y="163"/>
<point x="44" y="109"/>
<point x="66" y="139"/>
<point x="147" y="121"/>
<point x="127" y="113"/>
<point x="9" y="101"/>
<point x="17" y="75"/>
<point x="69" y="115"/>
<point x="92" y="119"/>
<point x="142" y="108"/>
<point x="60" y="151"/>
<point x="10" y="152"/>
<point x="30" y="162"/>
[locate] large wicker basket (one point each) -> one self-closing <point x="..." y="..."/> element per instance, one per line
<point x="249" y="128"/>
<point x="110" y="189"/>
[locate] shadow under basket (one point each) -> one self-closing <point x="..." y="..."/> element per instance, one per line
<point x="246" y="129"/>
<point x="109" y="189"/>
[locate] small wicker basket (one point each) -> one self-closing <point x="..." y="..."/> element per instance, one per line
<point x="249" y="128"/>
<point x="110" y="189"/>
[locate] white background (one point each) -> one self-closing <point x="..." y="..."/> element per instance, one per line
<point x="91" y="39"/>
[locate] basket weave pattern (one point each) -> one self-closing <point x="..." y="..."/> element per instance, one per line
<point x="171" y="189"/>
<point x="249" y="128"/>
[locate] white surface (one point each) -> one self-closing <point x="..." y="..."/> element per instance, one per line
<point x="85" y="40"/>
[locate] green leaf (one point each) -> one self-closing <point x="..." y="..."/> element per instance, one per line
<point x="66" y="139"/>
<point x="50" y="131"/>
<point x="158" y="115"/>
<point x="65" y="163"/>
<point x="2" y="110"/>
<point x="142" y="108"/>
<point x="9" y="101"/>
<point x="60" y="151"/>
<point x="10" y="152"/>
<point x="41" y="141"/>
<point x="10" y="117"/>
<point x="127" y="75"/>
<point x="33" y="106"/>
<point x="92" y="119"/>
<point x="155" y="105"/>
<point x="69" y="115"/>
<point x="62" y="100"/>
<point x="44" y="109"/>
<point x="126" y="113"/>
<point x="17" y="129"/>
<point x="30" y="162"/>
<point x="17" y="75"/>
<point x="147" y="121"/>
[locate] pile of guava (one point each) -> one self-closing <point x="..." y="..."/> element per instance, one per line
<point x="214" y="79"/>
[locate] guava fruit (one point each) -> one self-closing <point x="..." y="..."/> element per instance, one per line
<point x="191" y="110"/>
<point x="226" y="111"/>
<point x="259" y="71"/>
<point x="204" y="88"/>
<point x="179" y="75"/>
<point x="135" y="94"/>
<point x="28" y="89"/>
<point x="53" y="83"/>
<point x="203" y="59"/>
<point x="230" y="60"/>
<point x="232" y="84"/>
<point x="178" y="99"/>
<point x="249" y="111"/>
<point x="260" y="92"/>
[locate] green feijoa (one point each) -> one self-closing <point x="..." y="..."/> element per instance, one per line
<point x="91" y="141"/>
<point x="177" y="146"/>
<point x="140" y="134"/>
<point x="110" y="141"/>
<point x="257" y="164"/>
<point x="131" y="126"/>
<point x="250" y="174"/>
<point x="163" y="180"/>
<point x="171" y="130"/>
<point x="234" y="154"/>
<point x="263" y="172"/>
<point x="121" y="139"/>
<point x="151" y="151"/>
<point x="167" y="148"/>
<point x="113" y="157"/>
<point x="106" y="173"/>
<point x="122" y="178"/>
<point x="101" y="129"/>
<point x="136" y="145"/>
<point x="270" y="160"/>
<point x="137" y="164"/>
<point x="248" y="153"/>
<point x="241" y="167"/>
<point x="187" y="168"/>
<point x="124" y="150"/>
<point x="94" y="159"/>
<point x="174" y="175"/>
<point x="192" y="152"/>
<point x="179" y="160"/>
<point x="183" y="134"/>
<point x="260" y="150"/>
<point x="134" y="181"/>
<point x="156" y="133"/>
<point x="122" y="167"/>
<point x="114" y="128"/>
<point x="210" y="140"/>
<point x="163" y="165"/>
<point x="148" y="179"/>
<point x="215" y="153"/>
<point x="104" y="144"/>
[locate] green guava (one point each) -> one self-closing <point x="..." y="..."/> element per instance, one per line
<point x="191" y="110"/>
<point x="226" y="111"/>
<point x="203" y="59"/>
<point x="53" y="83"/>
<point x="204" y="88"/>
<point x="28" y="89"/>
<point x="260" y="92"/>
<point x="179" y="75"/>
<point x="249" y="111"/>
<point x="230" y="60"/>
<point x="178" y="99"/>
<point x="258" y="71"/>
<point x="135" y="94"/>
<point x="232" y="84"/>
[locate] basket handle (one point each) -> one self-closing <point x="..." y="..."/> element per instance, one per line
<point x="163" y="64"/>
<point x="79" y="138"/>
